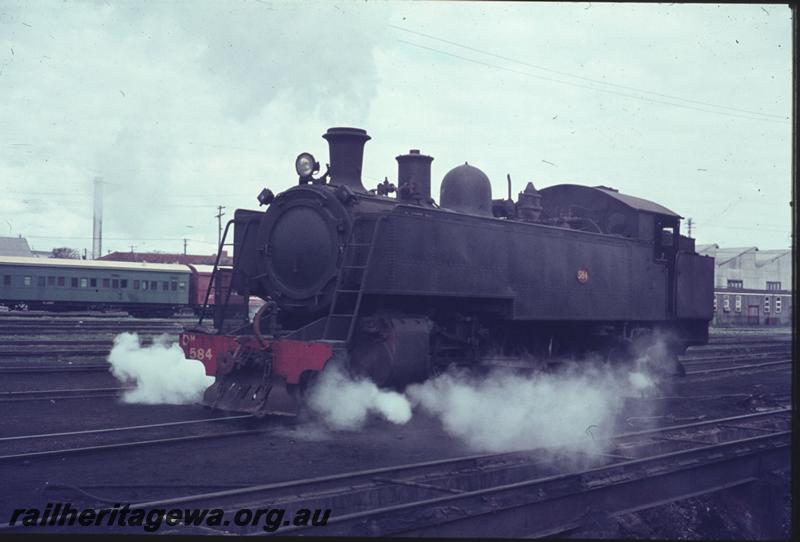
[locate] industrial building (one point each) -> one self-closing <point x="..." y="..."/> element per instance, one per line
<point x="751" y="286"/>
<point x="15" y="246"/>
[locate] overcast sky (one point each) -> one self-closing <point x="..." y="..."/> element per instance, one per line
<point x="183" y="106"/>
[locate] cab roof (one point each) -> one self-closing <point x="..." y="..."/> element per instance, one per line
<point x="637" y="204"/>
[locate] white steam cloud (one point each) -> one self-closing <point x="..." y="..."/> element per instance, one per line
<point x="160" y="372"/>
<point x="504" y="411"/>
<point x="345" y="403"/>
<point x="569" y="409"/>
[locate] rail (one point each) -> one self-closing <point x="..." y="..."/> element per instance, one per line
<point x="522" y="493"/>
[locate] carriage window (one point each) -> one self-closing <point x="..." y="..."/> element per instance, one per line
<point x="165" y="285"/>
<point x="174" y="285"/>
<point x="115" y="283"/>
<point x="154" y="285"/>
<point x="181" y="285"/>
<point x="40" y="281"/>
<point x="106" y="283"/>
<point x="93" y="283"/>
<point x="123" y="283"/>
<point x="62" y="281"/>
<point x="84" y="283"/>
<point x="144" y="285"/>
<point x="27" y="281"/>
<point x="73" y="282"/>
<point x="136" y="284"/>
<point x="6" y="280"/>
<point x="51" y="281"/>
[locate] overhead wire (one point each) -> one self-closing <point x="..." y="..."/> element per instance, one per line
<point x="578" y="85"/>
<point x="583" y="78"/>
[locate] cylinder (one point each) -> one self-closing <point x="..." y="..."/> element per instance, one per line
<point x="346" y="150"/>
<point x="392" y="351"/>
<point x="414" y="176"/>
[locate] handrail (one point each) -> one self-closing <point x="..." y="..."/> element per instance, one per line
<point x="214" y="271"/>
<point x="230" y="286"/>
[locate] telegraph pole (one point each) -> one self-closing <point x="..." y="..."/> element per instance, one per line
<point x="219" y="216"/>
<point x="185" y="240"/>
<point x="690" y="223"/>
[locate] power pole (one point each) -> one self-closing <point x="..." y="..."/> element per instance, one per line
<point x="219" y="216"/>
<point x="690" y="223"/>
<point x="185" y="240"/>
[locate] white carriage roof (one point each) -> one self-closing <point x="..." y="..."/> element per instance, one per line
<point x="93" y="264"/>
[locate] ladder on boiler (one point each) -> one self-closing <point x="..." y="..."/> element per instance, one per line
<point x="349" y="292"/>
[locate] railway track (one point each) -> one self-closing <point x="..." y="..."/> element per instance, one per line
<point x="45" y="445"/>
<point x="29" y="327"/>
<point x="60" y="343"/>
<point x="88" y="349"/>
<point x="527" y="493"/>
<point x="748" y="339"/>
<point x="779" y="364"/>
<point x="32" y="315"/>
<point x="740" y="348"/>
<point x="734" y="362"/>
<point x="59" y="368"/>
<point x="37" y="333"/>
<point x="61" y="393"/>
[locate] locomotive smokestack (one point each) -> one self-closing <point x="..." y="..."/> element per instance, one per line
<point x="346" y="150"/>
<point x="414" y="176"/>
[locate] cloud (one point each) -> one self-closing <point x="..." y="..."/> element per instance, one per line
<point x="186" y="108"/>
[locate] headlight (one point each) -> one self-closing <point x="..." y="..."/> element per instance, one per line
<point x="305" y="165"/>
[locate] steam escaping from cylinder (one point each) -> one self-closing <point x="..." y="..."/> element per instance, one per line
<point x="571" y="409"/>
<point x="160" y="373"/>
<point x="346" y="403"/>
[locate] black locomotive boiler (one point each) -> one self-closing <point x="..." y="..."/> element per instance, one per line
<point x="400" y="287"/>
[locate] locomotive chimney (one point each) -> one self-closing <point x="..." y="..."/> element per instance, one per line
<point x="346" y="150"/>
<point x="414" y="176"/>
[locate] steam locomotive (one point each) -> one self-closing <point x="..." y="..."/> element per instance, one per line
<point x="399" y="287"/>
